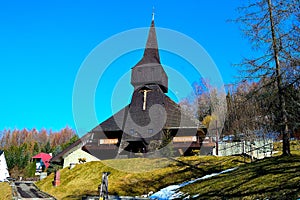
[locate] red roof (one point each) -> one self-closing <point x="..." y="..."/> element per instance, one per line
<point x="45" y="158"/>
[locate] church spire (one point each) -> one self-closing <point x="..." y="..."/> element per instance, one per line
<point x="149" y="71"/>
<point x="151" y="54"/>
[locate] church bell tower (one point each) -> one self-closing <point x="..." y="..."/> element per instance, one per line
<point x="149" y="71"/>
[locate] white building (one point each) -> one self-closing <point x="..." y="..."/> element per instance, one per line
<point x="4" y="174"/>
<point x="73" y="153"/>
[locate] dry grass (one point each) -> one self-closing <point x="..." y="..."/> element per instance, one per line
<point x="294" y="146"/>
<point x="5" y="191"/>
<point x="85" y="178"/>
<point x="277" y="177"/>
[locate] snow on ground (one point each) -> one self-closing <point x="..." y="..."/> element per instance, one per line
<point x="172" y="191"/>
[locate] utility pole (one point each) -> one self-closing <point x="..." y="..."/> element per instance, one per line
<point x="217" y="139"/>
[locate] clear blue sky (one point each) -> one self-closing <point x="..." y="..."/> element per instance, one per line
<point x="43" y="44"/>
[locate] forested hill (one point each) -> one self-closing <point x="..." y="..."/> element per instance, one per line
<point x="20" y="145"/>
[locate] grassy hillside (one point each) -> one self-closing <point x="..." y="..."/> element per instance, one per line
<point x="85" y="178"/>
<point x="272" y="178"/>
<point x="5" y="191"/>
<point x="277" y="177"/>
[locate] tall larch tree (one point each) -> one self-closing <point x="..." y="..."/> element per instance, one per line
<point x="269" y="25"/>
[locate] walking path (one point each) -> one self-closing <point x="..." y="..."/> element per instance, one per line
<point x="27" y="190"/>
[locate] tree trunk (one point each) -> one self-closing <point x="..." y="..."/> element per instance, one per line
<point x="284" y="129"/>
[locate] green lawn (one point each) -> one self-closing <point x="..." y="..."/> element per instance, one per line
<point x="271" y="178"/>
<point x="294" y="146"/>
<point x="85" y="178"/>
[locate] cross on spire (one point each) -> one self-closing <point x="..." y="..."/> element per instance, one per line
<point x="153" y="13"/>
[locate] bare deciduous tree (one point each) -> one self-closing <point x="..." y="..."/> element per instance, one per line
<point x="272" y="28"/>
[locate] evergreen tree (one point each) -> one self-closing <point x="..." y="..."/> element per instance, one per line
<point x="47" y="148"/>
<point x="166" y="147"/>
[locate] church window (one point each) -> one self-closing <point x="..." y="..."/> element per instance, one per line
<point x="131" y="131"/>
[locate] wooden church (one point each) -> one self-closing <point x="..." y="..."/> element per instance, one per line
<point x="149" y="122"/>
<point x="149" y="119"/>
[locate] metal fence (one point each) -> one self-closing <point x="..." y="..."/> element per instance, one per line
<point x="256" y="149"/>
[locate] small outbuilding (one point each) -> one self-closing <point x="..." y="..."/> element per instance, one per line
<point x="42" y="161"/>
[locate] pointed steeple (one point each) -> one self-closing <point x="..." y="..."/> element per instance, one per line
<point x="149" y="71"/>
<point x="151" y="54"/>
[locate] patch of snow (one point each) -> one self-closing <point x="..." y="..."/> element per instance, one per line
<point x="172" y="191"/>
<point x="147" y="195"/>
<point x="166" y="193"/>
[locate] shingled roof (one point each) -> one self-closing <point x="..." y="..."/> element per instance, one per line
<point x="175" y="116"/>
